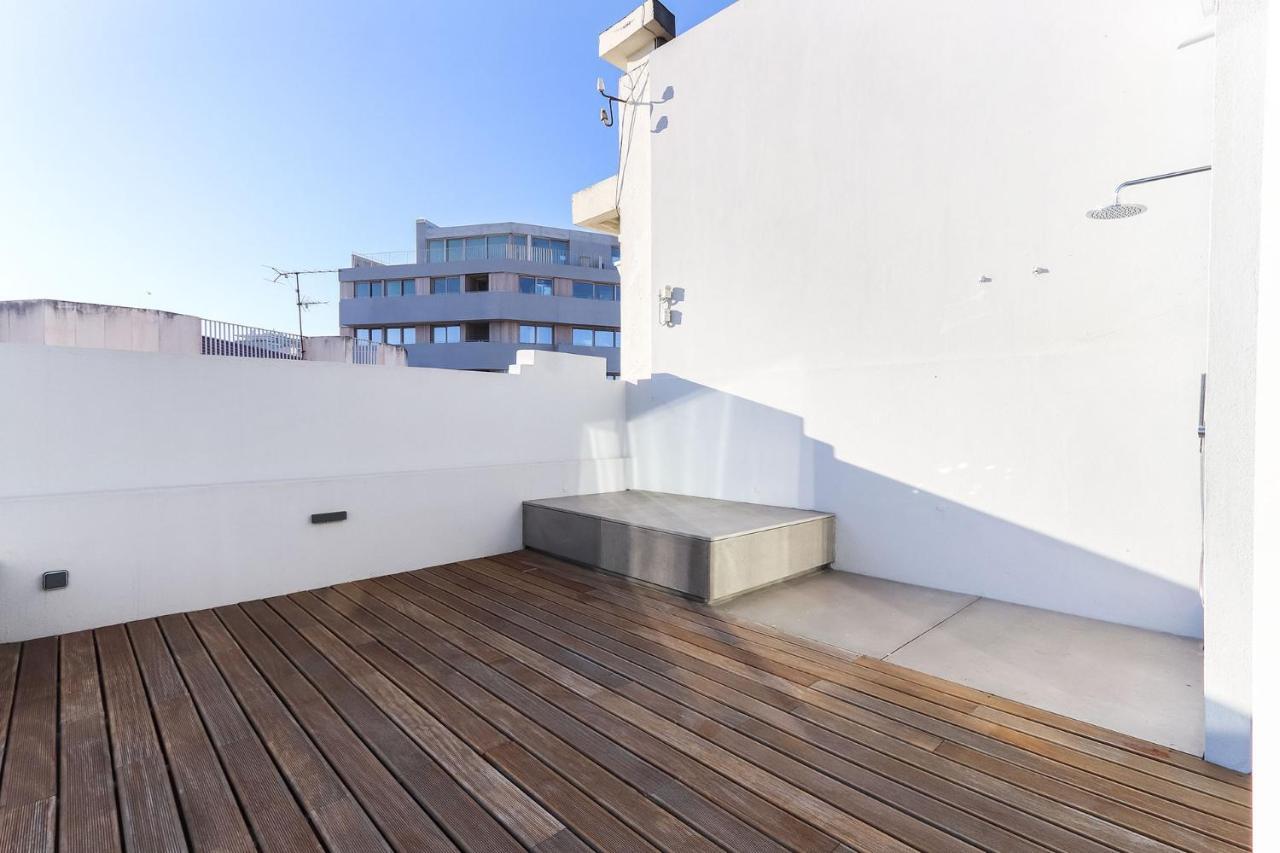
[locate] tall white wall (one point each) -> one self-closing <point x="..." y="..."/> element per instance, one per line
<point x="166" y="483"/>
<point x="828" y="182"/>
<point x="1241" y="413"/>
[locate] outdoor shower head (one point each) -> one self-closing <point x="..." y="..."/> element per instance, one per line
<point x="1116" y="211"/>
<point x="1124" y="211"/>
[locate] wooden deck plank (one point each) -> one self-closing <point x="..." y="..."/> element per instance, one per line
<point x="671" y="830"/>
<point x="798" y="738"/>
<point x="355" y="756"/>
<point x="518" y="702"/>
<point x="87" y="817"/>
<point x="772" y="789"/>
<point x="721" y="724"/>
<point x="1133" y="788"/>
<point x="820" y="710"/>
<point x="273" y="814"/>
<point x="1118" y="764"/>
<point x="617" y="590"/>
<point x="9" y="655"/>
<point x="593" y="821"/>
<point x="209" y="808"/>
<point x="725" y="811"/>
<point x="31" y="767"/>
<point x="149" y="817"/>
<point x="331" y="808"/>
<point x="522" y="817"/>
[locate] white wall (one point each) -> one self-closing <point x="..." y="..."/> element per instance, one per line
<point x="82" y="324"/>
<point x="829" y="181"/>
<point x="1241" y="470"/>
<point x="168" y="483"/>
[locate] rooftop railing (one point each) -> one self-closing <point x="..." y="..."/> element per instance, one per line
<point x="218" y="338"/>
<point x="383" y="259"/>
<point x="485" y="252"/>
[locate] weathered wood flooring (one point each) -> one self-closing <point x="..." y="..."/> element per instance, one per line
<point x="521" y="703"/>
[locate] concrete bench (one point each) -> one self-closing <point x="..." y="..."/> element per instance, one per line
<point x="703" y="548"/>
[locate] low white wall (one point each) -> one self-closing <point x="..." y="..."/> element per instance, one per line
<point x="167" y="483"/>
<point x="828" y="183"/>
<point x="82" y="324"/>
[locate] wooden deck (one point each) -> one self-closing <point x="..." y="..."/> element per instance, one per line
<point x="521" y="703"/>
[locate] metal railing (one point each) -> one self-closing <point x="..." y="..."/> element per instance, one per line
<point x="383" y="259"/>
<point x="218" y="338"/>
<point x="484" y="251"/>
<point x="365" y="352"/>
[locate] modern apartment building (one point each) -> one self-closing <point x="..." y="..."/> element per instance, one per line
<point x="469" y="296"/>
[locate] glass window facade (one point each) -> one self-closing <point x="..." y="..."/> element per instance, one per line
<point x="447" y="284"/>
<point x="446" y="334"/>
<point x="590" y="290"/>
<point x="391" y="335"/>
<point x="596" y="338"/>
<point x="538" y="286"/>
<point x="375" y="289"/>
<point x="548" y="251"/>
<point x="535" y="335"/>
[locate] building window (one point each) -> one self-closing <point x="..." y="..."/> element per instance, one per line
<point x="375" y="289"/>
<point x="539" y="286"/>
<point x="589" y="290"/>
<point x="596" y="338"/>
<point x="535" y="335"/>
<point x="547" y="251"/>
<point x="446" y="334"/>
<point x="476" y="333"/>
<point x="448" y="284"/>
<point x="394" y="335"/>
<point x="491" y="247"/>
<point x="615" y="254"/>
<point x="401" y="336"/>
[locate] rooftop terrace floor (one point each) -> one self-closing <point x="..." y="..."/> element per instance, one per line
<point x="521" y="703"/>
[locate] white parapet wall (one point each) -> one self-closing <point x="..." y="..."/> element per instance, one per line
<point x="82" y="324"/>
<point x="891" y="303"/>
<point x="166" y="483"/>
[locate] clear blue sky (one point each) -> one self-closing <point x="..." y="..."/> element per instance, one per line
<point x="159" y="154"/>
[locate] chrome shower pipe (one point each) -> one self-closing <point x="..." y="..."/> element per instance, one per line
<point x="1165" y="176"/>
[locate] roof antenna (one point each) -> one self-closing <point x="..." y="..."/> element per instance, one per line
<point x="303" y="304"/>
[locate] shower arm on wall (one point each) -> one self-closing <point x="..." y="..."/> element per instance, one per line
<point x="1154" y="178"/>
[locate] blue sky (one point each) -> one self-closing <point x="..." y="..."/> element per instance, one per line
<point x="159" y="154"/>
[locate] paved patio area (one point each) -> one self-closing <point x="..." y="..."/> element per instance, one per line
<point x="521" y="703"/>
<point x="1142" y="683"/>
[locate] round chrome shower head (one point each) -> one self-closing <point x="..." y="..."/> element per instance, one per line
<point x="1117" y="211"/>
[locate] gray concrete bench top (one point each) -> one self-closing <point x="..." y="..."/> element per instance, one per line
<point x="683" y="515"/>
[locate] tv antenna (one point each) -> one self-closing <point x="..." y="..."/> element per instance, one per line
<point x="303" y="304"/>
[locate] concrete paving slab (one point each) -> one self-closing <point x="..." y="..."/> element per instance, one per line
<point x="866" y="615"/>
<point x="1128" y="679"/>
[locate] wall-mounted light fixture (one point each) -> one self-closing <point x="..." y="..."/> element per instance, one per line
<point x="606" y="115"/>
<point x="668" y="297"/>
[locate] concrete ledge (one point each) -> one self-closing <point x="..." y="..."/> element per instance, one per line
<point x="703" y="548"/>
